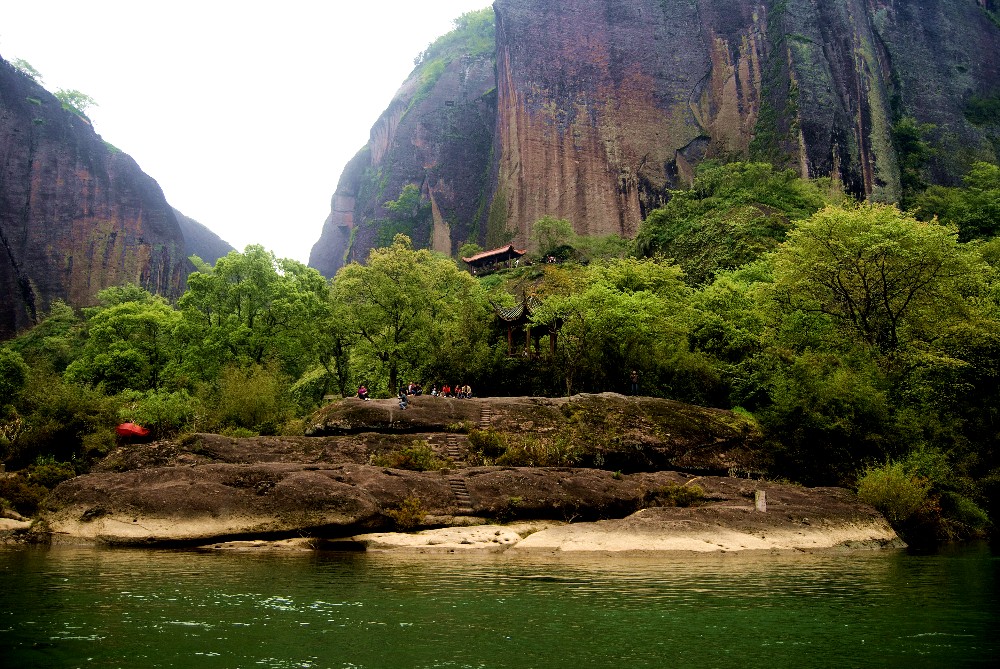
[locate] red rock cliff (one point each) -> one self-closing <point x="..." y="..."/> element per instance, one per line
<point x="76" y="215"/>
<point x="602" y="106"/>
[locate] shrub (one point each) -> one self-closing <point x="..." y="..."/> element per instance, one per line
<point x="238" y="432"/>
<point x="965" y="513"/>
<point x="162" y="412"/>
<point x="57" y="419"/>
<point x="408" y="514"/>
<point x="673" y="494"/>
<point x="309" y="390"/>
<point x="13" y="375"/>
<point x="23" y="496"/>
<point x="254" y="398"/>
<point x="893" y="490"/>
<point x="417" y="457"/>
<point x="48" y="473"/>
<point x="487" y="443"/>
<point x="97" y="444"/>
<point x="512" y="450"/>
<point x="507" y="510"/>
<point x="529" y="451"/>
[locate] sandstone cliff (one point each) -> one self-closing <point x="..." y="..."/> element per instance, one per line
<point x="76" y="215"/>
<point x="602" y="106"/>
<point x="437" y="134"/>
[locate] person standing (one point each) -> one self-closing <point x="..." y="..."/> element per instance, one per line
<point x="634" y="380"/>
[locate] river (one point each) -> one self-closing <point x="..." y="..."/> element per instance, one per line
<point x="90" y="607"/>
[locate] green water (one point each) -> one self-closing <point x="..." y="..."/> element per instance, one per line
<point x="68" y="607"/>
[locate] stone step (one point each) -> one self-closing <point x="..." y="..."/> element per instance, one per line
<point x="452" y="449"/>
<point x="461" y="493"/>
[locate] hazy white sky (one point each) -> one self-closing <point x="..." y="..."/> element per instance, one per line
<point x="245" y="112"/>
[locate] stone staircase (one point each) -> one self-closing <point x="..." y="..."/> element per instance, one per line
<point x="452" y="450"/>
<point x="485" y="417"/>
<point x="456" y="482"/>
<point x="462" y="496"/>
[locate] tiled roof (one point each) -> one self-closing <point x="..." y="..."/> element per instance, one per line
<point x="494" y="252"/>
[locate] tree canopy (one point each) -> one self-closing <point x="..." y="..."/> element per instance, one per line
<point x="732" y="215"/>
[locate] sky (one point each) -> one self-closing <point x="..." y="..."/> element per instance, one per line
<point x="245" y="112"/>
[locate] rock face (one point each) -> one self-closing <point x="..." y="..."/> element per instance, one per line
<point x="601" y="106"/>
<point x="437" y="134"/>
<point x="76" y="215"/>
<point x="620" y="433"/>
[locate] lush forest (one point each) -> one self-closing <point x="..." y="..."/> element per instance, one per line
<point x="864" y="339"/>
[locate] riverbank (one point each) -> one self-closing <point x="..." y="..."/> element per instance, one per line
<point x="334" y="490"/>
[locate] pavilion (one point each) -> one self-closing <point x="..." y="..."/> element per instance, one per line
<point x="491" y="261"/>
<point x="518" y="318"/>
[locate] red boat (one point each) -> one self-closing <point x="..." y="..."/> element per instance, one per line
<point x="131" y="431"/>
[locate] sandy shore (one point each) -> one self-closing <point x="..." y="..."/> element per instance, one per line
<point x="660" y="530"/>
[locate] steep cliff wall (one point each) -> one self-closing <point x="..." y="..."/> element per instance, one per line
<point x="437" y="134"/>
<point x="603" y="106"/>
<point x="76" y="215"/>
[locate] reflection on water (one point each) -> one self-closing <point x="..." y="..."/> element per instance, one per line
<point x="67" y="607"/>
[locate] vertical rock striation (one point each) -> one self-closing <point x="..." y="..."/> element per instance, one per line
<point x="76" y="215"/>
<point x="600" y="107"/>
<point x="603" y="106"/>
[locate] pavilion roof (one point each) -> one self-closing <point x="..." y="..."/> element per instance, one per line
<point x="521" y="310"/>
<point x="502" y="251"/>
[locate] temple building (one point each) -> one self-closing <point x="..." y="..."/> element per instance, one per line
<point x="497" y="259"/>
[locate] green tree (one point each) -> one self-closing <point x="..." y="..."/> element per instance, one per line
<point x="974" y="208"/>
<point x="13" y="376"/>
<point x="876" y="271"/>
<point x="732" y="215"/>
<point x="402" y="307"/>
<point x="75" y="101"/>
<point x="612" y="317"/>
<point x="409" y="214"/>
<point x="553" y="236"/>
<point x="53" y="343"/>
<point x="25" y="68"/>
<point x="252" y="308"/>
<point x="129" y="343"/>
<point x="331" y="347"/>
<point x="469" y="249"/>
<point x="913" y="152"/>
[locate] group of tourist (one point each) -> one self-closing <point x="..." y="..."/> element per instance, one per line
<point x="460" y="392"/>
